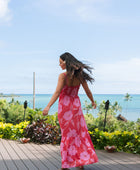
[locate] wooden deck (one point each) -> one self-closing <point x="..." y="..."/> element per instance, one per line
<point x="17" y="156"/>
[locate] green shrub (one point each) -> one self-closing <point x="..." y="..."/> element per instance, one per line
<point x="53" y="120"/>
<point x="124" y="141"/>
<point x="13" y="112"/>
<point x="112" y="124"/>
<point x="10" y="131"/>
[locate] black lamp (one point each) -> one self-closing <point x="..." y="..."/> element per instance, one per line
<point x="106" y="108"/>
<point x="25" y="107"/>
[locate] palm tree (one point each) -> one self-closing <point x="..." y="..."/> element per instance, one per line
<point x="127" y="98"/>
<point x="116" y="107"/>
<point x="88" y="106"/>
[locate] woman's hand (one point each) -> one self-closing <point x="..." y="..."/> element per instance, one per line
<point x="46" y="110"/>
<point x="94" y="105"/>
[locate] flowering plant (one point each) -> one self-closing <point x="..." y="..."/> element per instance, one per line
<point x="122" y="140"/>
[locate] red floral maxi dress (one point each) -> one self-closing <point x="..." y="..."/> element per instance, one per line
<point x="76" y="146"/>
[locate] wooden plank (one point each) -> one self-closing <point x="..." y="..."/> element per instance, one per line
<point x="47" y="158"/>
<point x="7" y="158"/>
<point x="105" y="162"/>
<point x="119" y="161"/>
<point x="19" y="150"/>
<point x="14" y="155"/>
<point x="130" y="157"/>
<point x="52" y="156"/>
<point x="38" y="153"/>
<point x="115" y="164"/>
<point x="57" y="150"/>
<point x="15" y="158"/>
<point x="52" y="149"/>
<point x="57" y="155"/>
<point x="110" y="162"/>
<point x="100" y="165"/>
<point x="2" y="163"/>
<point x="37" y="163"/>
<point x="97" y="167"/>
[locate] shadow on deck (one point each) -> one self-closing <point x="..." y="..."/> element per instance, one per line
<point x="30" y="156"/>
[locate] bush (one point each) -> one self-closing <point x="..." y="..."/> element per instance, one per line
<point x="90" y="121"/>
<point x="42" y="132"/>
<point x="10" y="131"/>
<point x="13" y="112"/>
<point x="112" y="124"/>
<point x="124" y="141"/>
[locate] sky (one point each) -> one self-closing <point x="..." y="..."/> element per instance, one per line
<point x="102" y="33"/>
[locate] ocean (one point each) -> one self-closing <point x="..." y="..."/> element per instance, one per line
<point x="130" y="109"/>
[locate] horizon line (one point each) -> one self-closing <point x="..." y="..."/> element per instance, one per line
<point x="79" y="93"/>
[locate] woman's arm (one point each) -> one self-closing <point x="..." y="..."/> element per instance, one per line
<point x="60" y="85"/>
<point x="88" y="93"/>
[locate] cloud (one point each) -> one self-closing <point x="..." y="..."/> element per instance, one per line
<point x="5" y="13"/>
<point x="92" y="10"/>
<point x="83" y="10"/>
<point x="120" y="71"/>
<point x="119" y="77"/>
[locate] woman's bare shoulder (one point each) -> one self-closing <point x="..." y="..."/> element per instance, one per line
<point x="62" y="75"/>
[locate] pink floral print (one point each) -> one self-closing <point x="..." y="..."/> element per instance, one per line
<point x="68" y="115"/>
<point x="76" y="146"/>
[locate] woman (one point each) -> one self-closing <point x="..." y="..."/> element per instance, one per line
<point x="76" y="146"/>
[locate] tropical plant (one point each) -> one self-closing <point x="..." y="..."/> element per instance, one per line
<point x="116" y="107"/>
<point x="127" y="98"/>
<point x="87" y="106"/>
<point x="10" y="131"/>
<point x="13" y="112"/>
<point x="90" y="121"/>
<point x="125" y="141"/>
<point x="53" y="120"/>
<point x="4" y="106"/>
<point x="111" y="121"/>
<point x="42" y="132"/>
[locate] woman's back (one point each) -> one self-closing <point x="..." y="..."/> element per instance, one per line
<point x="72" y="81"/>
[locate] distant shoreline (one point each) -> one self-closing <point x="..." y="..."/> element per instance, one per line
<point x="11" y="95"/>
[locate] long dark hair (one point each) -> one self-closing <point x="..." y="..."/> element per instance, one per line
<point x="75" y="68"/>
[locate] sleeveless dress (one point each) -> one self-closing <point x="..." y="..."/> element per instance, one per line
<point x="76" y="146"/>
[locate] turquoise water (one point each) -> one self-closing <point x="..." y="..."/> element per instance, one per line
<point x="130" y="109"/>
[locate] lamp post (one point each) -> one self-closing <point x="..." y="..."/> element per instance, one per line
<point x="34" y="90"/>
<point x="106" y="108"/>
<point x="25" y="107"/>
